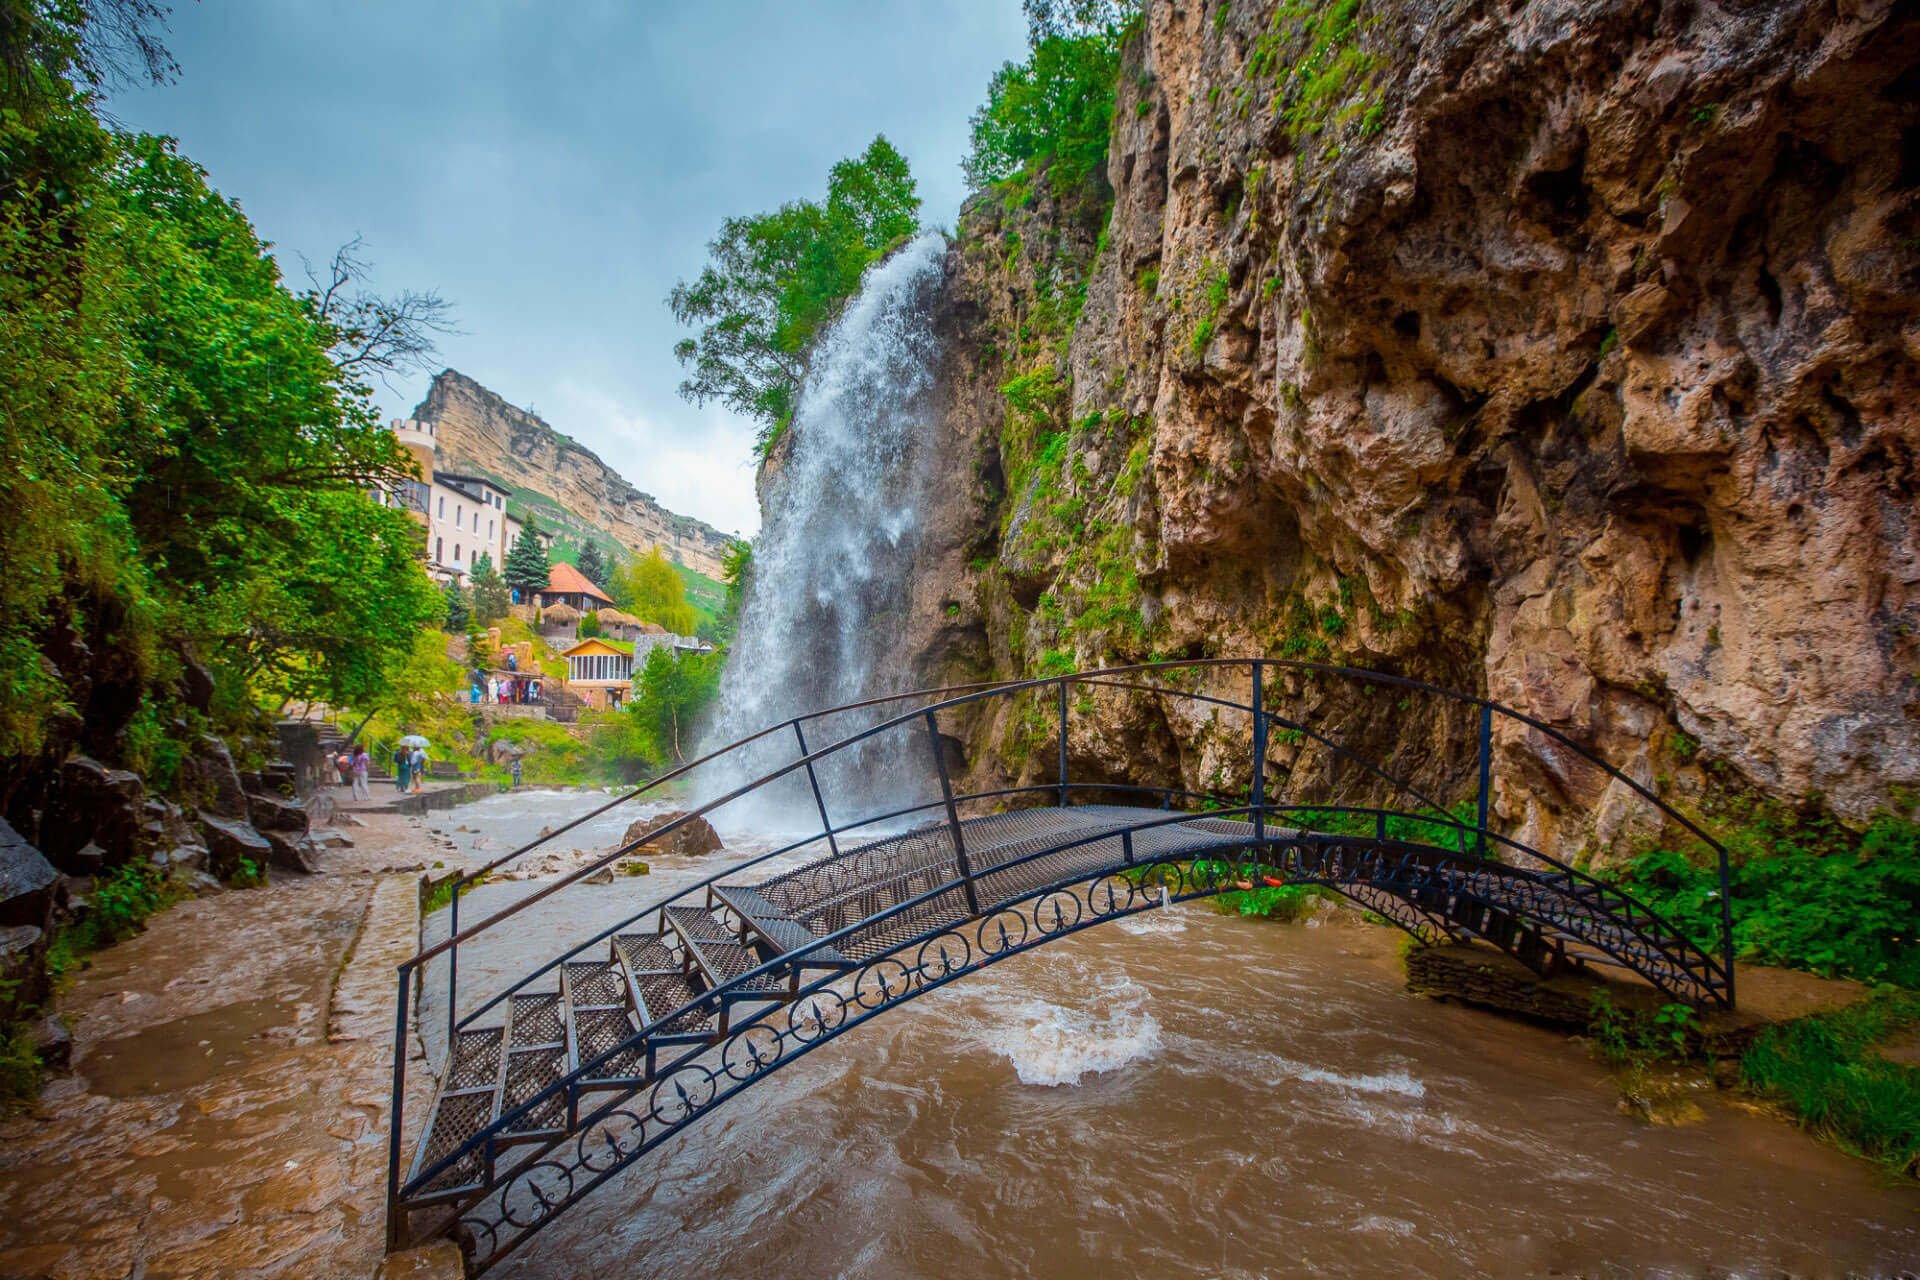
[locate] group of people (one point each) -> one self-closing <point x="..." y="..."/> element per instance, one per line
<point x="352" y="767"/>
<point x="410" y="768"/>
<point x="512" y="687"/>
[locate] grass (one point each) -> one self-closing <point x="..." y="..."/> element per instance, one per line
<point x="1825" y="1071"/>
<point x="442" y="893"/>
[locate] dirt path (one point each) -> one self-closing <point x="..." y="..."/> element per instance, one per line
<point x="226" y="1115"/>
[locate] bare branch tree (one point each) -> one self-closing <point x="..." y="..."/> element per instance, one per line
<point x="376" y="334"/>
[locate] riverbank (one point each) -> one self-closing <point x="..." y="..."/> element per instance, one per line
<point x="227" y="1108"/>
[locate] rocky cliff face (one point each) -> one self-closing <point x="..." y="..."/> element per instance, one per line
<point x="1563" y="351"/>
<point x="480" y="431"/>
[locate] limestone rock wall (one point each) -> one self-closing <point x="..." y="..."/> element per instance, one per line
<point x="477" y="429"/>
<point x="1562" y="351"/>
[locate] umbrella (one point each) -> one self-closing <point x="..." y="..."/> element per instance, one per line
<point x="414" y="740"/>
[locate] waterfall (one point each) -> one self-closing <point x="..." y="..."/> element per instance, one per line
<point x="831" y="571"/>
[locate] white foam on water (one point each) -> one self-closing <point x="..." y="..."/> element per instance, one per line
<point x="1051" y="1045"/>
<point x="1149" y="923"/>
<point x="1386" y="1082"/>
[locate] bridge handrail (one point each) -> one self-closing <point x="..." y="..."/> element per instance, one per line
<point x="950" y="697"/>
<point x="715" y="997"/>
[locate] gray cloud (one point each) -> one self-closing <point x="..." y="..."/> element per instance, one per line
<point x="554" y="175"/>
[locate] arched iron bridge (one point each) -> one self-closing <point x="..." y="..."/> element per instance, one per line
<point x="559" y="1081"/>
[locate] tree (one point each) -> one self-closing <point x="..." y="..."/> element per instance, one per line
<point x="671" y="691"/>
<point x="1055" y="110"/>
<point x="774" y="280"/>
<point x="527" y="567"/>
<point x="458" y="613"/>
<point x="375" y="334"/>
<point x="592" y="564"/>
<point x="490" y="601"/>
<point x="652" y="590"/>
<point x="736" y="570"/>
<point x="589" y="624"/>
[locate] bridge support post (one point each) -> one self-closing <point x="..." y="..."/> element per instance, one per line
<point x="1258" y="799"/>
<point x="953" y="814"/>
<point x="1063" y="743"/>
<point x="396" y="1220"/>
<point x="813" y="780"/>
<point x="453" y="964"/>
<point x="1486" y="771"/>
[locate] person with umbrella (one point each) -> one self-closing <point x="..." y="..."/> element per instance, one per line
<point x="402" y="762"/>
<point x="412" y="769"/>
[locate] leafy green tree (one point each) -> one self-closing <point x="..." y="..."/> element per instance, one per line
<point x="527" y="562"/>
<point x="458" y="611"/>
<point x="589" y="624"/>
<point x="1055" y="109"/>
<point x="673" y="688"/>
<point x="736" y="569"/>
<point x="184" y="454"/>
<point x="652" y="590"/>
<point x="774" y="280"/>
<point x="490" y="600"/>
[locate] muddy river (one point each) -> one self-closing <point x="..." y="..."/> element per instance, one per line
<point x="1183" y="1094"/>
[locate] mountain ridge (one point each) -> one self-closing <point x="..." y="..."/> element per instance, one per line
<point x="562" y="482"/>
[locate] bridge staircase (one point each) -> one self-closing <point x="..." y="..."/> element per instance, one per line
<point x="558" y="1082"/>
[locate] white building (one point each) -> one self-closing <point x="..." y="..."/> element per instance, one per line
<point x="464" y="515"/>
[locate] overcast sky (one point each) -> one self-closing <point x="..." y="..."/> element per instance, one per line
<point x="553" y="168"/>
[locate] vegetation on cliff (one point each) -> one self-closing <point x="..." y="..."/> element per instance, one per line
<point x="774" y="281"/>
<point x="186" y="443"/>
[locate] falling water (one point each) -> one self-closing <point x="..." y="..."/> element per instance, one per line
<point x="832" y="564"/>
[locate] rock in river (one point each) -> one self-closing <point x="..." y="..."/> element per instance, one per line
<point x="695" y="836"/>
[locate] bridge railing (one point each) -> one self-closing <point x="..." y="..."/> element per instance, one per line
<point x="924" y="719"/>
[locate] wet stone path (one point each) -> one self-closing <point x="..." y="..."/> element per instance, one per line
<point x="226" y="1113"/>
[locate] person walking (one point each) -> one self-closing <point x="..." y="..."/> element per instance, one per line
<point x="493" y="689"/>
<point x="361" y="762"/>
<point x="419" y="768"/>
<point x="402" y="766"/>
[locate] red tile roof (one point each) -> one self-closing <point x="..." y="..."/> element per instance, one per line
<point x="563" y="578"/>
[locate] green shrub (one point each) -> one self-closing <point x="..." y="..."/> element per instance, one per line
<point x="1804" y="895"/>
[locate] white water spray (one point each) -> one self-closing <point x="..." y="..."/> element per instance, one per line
<point x="832" y="565"/>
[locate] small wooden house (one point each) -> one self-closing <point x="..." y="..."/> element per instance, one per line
<point x="600" y="671"/>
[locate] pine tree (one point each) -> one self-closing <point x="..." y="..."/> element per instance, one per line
<point x="527" y="564"/>
<point x="457" y="611"/>
<point x="592" y="564"/>
<point x="490" y="600"/>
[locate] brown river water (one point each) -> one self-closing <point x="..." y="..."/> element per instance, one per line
<point x="1185" y="1094"/>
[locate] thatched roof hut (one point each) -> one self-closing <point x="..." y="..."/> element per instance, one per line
<point x="559" y="615"/>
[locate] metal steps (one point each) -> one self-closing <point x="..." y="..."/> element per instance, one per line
<point x="642" y="1008"/>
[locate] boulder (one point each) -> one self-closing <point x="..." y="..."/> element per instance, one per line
<point x="696" y="836"/>
<point x="209" y="776"/>
<point x="92" y="804"/>
<point x="273" y="813"/>
<point x="30" y="889"/>
<point x="52" y="1041"/>
<point x="293" y="852"/>
<point x="229" y="840"/>
<point x="280" y="777"/>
